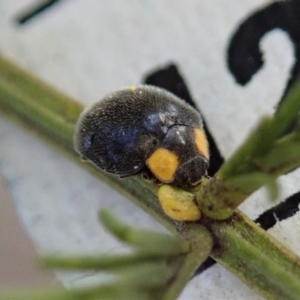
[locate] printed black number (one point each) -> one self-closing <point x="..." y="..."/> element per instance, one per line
<point x="244" y="59"/>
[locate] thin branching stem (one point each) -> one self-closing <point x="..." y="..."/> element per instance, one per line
<point x="239" y="244"/>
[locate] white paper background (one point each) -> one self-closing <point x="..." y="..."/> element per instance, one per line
<point x="90" y="48"/>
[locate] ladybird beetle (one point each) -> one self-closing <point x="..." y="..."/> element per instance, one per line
<point x="145" y="127"/>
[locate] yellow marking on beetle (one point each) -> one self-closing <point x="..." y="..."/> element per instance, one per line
<point x="163" y="163"/>
<point x="201" y="142"/>
<point x="132" y="88"/>
<point x="178" y="204"/>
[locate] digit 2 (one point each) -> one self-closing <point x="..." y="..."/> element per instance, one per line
<point x="244" y="59"/>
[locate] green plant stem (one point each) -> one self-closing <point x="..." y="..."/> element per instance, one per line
<point x="103" y="262"/>
<point x="256" y="257"/>
<point x="259" y="161"/>
<point x="240" y="245"/>
<point x="265" y="155"/>
<point x="52" y="116"/>
<point x="188" y="269"/>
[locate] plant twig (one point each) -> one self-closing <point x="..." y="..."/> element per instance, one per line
<point x="256" y="257"/>
<point x="263" y="157"/>
<point x="240" y="245"/>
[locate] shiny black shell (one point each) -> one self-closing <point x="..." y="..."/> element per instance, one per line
<point x="121" y="131"/>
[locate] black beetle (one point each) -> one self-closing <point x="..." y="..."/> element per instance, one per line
<point x="144" y="127"/>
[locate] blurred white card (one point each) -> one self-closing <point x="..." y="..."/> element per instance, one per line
<point x="90" y="48"/>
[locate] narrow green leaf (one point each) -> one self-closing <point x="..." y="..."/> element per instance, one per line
<point x="149" y="241"/>
<point x="282" y="154"/>
<point x="103" y="262"/>
<point x="39" y="92"/>
<point x="288" y="111"/>
<point x="35" y="114"/>
<point x="149" y="275"/>
<point x="252" y="181"/>
<point x="105" y="292"/>
<point x="256" y="144"/>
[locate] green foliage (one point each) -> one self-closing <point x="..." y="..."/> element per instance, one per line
<point x="160" y="265"/>
<point x="147" y="241"/>
<point x="265" y="155"/>
<point x="147" y="273"/>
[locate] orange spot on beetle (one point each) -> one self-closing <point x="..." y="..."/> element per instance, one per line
<point x="163" y="163"/>
<point x="201" y="142"/>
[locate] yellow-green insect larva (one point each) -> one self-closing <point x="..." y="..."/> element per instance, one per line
<point x="178" y="204"/>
